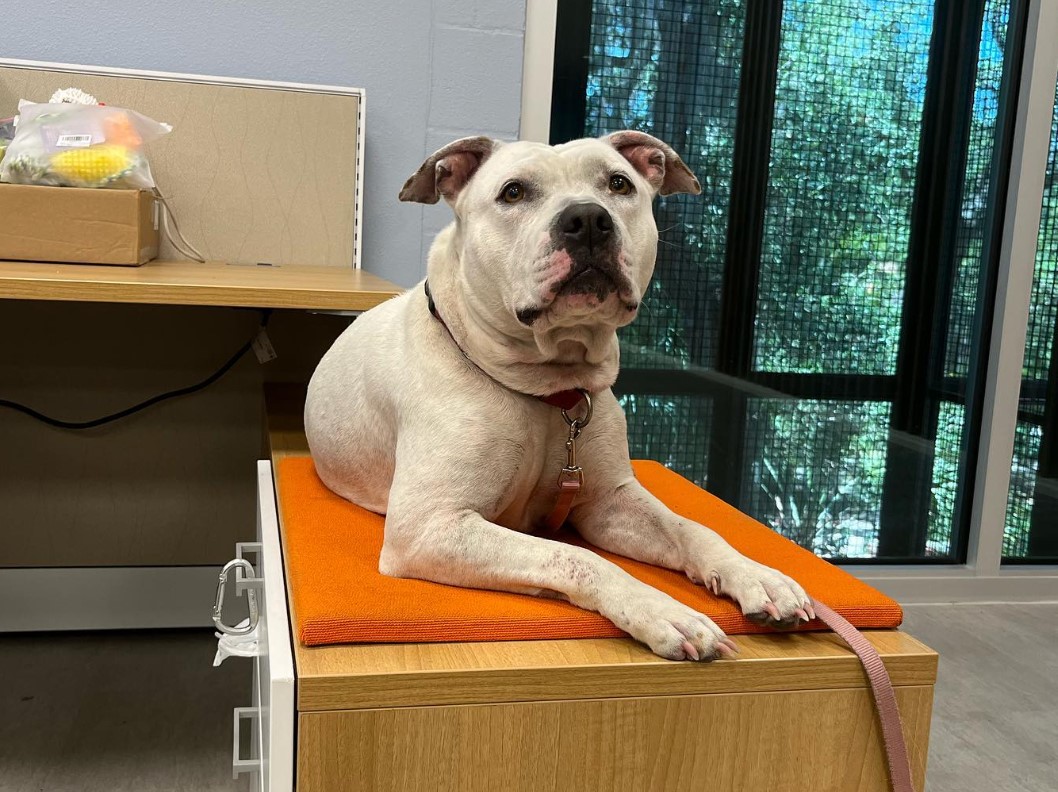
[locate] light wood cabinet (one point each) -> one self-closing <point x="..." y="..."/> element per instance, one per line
<point x="794" y="712"/>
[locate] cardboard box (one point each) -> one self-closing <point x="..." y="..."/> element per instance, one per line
<point x="75" y="225"/>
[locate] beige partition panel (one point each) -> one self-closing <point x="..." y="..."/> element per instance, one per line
<point x="255" y="172"/>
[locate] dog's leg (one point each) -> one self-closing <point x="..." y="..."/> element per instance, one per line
<point x="630" y="521"/>
<point x="464" y="549"/>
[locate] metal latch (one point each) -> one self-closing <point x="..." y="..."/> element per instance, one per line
<point x="246" y="580"/>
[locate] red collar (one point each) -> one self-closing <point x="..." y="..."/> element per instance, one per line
<point x="564" y="400"/>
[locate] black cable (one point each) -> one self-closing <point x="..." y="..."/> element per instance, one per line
<point x="216" y="375"/>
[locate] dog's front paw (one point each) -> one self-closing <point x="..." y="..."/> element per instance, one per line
<point x="670" y="628"/>
<point x="765" y="595"/>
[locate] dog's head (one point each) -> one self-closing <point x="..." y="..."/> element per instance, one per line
<point x="554" y="236"/>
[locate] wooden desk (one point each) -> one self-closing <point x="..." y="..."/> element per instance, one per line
<point x="793" y="712"/>
<point x="194" y="283"/>
<point x="202" y="517"/>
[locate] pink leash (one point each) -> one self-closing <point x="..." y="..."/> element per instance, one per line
<point x="884" y="695"/>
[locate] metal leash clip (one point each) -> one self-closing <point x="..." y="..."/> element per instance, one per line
<point x="251" y="597"/>
<point x="571" y="477"/>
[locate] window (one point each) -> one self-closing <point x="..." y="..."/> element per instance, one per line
<point x="812" y="346"/>
<point x="1032" y="510"/>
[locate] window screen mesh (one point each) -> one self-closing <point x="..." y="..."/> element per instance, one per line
<point x="1025" y="480"/>
<point x="973" y="214"/>
<point x="1022" y="494"/>
<point x="947" y="452"/>
<point x="815" y="472"/>
<point x="1044" y="305"/>
<point x="674" y="430"/>
<point x="672" y="69"/>
<point x="848" y="110"/>
<point x="965" y="303"/>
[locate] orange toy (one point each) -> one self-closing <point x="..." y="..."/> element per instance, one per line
<point x="120" y="131"/>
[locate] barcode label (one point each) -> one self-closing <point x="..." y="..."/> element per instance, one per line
<point x="73" y="141"/>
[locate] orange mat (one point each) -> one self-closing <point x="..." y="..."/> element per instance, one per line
<point x="339" y="596"/>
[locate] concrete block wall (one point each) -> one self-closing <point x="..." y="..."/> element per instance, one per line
<point x="477" y="59"/>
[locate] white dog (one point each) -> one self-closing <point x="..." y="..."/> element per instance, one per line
<point x="429" y="409"/>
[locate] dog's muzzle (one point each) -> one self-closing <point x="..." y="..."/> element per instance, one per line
<point x="585" y="230"/>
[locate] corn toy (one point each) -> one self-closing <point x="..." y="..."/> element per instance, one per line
<point x="95" y="166"/>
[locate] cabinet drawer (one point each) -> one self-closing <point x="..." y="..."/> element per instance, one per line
<point x="789" y="741"/>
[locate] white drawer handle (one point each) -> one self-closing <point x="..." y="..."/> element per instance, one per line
<point x="238" y="764"/>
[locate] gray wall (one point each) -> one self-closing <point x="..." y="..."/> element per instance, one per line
<point x="433" y="71"/>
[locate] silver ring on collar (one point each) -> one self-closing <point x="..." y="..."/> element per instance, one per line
<point x="579" y="423"/>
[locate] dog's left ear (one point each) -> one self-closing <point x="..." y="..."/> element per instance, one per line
<point x="447" y="171"/>
<point x="655" y="161"/>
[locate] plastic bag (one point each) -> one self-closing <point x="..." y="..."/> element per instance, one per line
<point x="7" y="134"/>
<point x="77" y="145"/>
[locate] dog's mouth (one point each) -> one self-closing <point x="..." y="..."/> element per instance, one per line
<point x="587" y="279"/>
<point x="589" y="284"/>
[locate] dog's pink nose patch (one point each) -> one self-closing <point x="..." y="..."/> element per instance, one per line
<point x="558" y="268"/>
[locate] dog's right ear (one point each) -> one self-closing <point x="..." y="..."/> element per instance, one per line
<point x="655" y="161"/>
<point x="447" y="171"/>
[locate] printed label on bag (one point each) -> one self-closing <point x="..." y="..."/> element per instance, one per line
<point x="262" y="347"/>
<point x="73" y="141"/>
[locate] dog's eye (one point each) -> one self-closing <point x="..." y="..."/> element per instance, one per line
<point x="512" y="192"/>
<point x="620" y="184"/>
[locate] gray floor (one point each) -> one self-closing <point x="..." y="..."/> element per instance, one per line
<point x="147" y="712"/>
<point x="995" y="715"/>
<point x="117" y="712"/>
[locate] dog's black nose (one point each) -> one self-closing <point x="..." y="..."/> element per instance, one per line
<point x="585" y="224"/>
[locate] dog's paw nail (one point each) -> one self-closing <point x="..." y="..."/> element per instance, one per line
<point x="772" y="610"/>
<point x="723" y="650"/>
<point x="802" y="615"/>
<point x="727" y="646"/>
<point x="690" y="651"/>
<point x="811" y="612"/>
